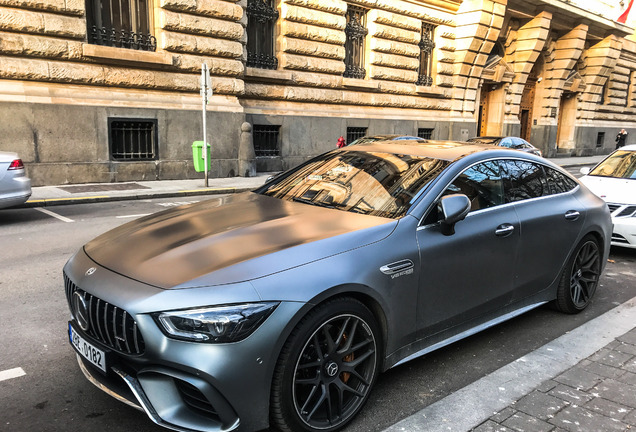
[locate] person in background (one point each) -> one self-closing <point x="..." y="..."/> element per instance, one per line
<point x="341" y="142"/>
<point x="621" y="138"/>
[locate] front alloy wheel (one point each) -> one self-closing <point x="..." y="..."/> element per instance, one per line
<point x="580" y="277"/>
<point x="326" y="369"/>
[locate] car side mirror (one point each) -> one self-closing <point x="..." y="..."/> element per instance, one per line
<point x="453" y="209"/>
<point x="585" y="170"/>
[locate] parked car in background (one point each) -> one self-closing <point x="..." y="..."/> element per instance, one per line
<point x="15" y="186"/>
<point x="515" y="143"/>
<point x="280" y="307"/>
<point x="614" y="180"/>
<point x="391" y="137"/>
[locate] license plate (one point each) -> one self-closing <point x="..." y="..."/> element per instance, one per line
<point x="86" y="349"/>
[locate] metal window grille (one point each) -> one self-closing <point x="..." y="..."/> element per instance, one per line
<point x="120" y="23"/>
<point x="425" y="71"/>
<point x="266" y="140"/>
<point x="353" y="133"/>
<point x="261" y="21"/>
<point x="133" y="139"/>
<point x="600" y="139"/>
<point x="356" y="33"/>
<point x="425" y="133"/>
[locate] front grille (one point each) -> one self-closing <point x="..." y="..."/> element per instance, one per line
<point x="112" y="326"/>
<point x="196" y="400"/>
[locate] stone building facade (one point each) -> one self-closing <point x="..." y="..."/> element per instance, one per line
<point x="91" y="92"/>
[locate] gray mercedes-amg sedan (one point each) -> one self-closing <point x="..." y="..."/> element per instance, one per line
<point x="279" y="307"/>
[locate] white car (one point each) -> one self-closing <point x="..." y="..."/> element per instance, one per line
<point x="15" y="186"/>
<point x="614" y="180"/>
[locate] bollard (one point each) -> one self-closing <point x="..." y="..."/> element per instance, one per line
<point x="246" y="155"/>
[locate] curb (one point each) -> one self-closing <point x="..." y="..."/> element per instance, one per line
<point x="50" y="202"/>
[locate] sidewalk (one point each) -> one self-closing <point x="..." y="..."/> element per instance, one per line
<point x="102" y="192"/>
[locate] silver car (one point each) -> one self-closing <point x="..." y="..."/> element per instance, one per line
<point x="15" y="186"/>
<point x="280" y="307"/>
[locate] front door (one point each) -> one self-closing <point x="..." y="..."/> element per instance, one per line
<point x="469" y="273"/>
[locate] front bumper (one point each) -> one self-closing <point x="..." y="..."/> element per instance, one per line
<point x="181" y="385"/>
<point x="624" y="233"/>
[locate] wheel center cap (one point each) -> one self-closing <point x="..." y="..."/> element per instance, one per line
<point x="331" y="369"/>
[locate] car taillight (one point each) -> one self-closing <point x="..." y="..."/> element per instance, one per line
<point x="16" y="164"/>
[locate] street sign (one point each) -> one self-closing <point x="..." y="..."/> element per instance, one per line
<point x="206" y="83"/>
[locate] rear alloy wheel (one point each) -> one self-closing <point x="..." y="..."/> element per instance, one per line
<point x="580" y="277"/>
<point x="326" y="369"/>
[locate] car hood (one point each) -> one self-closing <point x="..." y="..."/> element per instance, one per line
<point x="611" y="189"/>
<point x="230" y="239"/>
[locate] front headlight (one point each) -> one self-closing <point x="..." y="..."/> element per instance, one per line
<point x="219" y="324"/>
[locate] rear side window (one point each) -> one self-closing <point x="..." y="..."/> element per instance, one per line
<point x="482" y="185"/>
<point x="559" y="183"/>
<point x="523" y="180"/>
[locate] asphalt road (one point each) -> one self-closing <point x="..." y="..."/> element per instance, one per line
<point x="53" y="395"/>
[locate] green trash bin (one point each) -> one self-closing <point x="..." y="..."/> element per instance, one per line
<point x="197" y="156"/>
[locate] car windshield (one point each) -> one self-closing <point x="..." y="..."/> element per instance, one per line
<point x="373" y="183"/>
<point x="621" y="164"/>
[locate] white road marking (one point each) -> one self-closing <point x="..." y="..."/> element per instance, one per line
<point x="132" y="216"/>
<point x="470" y="406"/>
<point x="55" y="215"/>
<point x="11" y="373"/>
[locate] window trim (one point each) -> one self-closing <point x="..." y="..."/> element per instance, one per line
<point x="434" y="202"/>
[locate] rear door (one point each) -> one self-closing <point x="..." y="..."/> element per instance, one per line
<point x="550" y="219"/>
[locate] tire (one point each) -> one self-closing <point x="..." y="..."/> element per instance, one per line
<point x="580" y="277"/>
<point x="326" y="369"/>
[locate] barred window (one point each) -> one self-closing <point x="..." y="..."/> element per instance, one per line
<point x="120" y="23"/>
<point x="600" y="139"/>
<point x="261" y="34"/>
<point x="353" y="133"/>
<point x="266" y="140"/>
<point x="425" y="133"/>
<point x="425" y="71"/>
<point x="356" y="33"/>
<point x="132" y="139"/>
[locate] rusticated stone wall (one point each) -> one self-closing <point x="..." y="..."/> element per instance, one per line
<point x="44" y="41"/>
<point x="311" y="49"/>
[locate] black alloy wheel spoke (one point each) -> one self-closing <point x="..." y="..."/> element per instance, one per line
<point x="334" y="372"/>
<point x="585" y="274"/>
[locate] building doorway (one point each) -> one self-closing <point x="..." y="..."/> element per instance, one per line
<point x="566" y="121"/>
<point x="525" y="108"/>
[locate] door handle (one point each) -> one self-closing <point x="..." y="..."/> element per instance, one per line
<point x="572" y="215"/>
<point x="504" y="230"/>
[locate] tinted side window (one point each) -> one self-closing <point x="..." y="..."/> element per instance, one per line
<point x="482" y="185"/>
<point x="559" y="183"/>
<point x="523" y="180"/>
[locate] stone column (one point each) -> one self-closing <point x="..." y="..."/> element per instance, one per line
<point x="246" y="155"/>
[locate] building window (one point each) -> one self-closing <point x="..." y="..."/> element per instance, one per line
<point x="353" y="133"/>
<point x="132" y="139"/>
<point x="425" y="71"/>
<point x="605" y="92"/>
<point x="120" y="23"/>
<point x="261" y="34"/>
<point x="356" y="33"/>
<point x="266" y="140"/>
<point x="425" y="133"/>
<point x="600" y="139"/>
